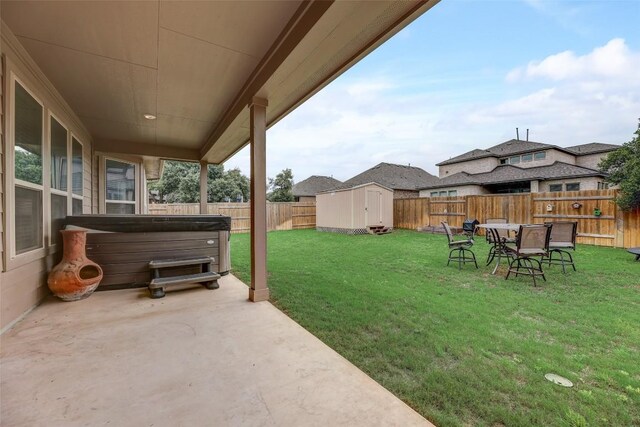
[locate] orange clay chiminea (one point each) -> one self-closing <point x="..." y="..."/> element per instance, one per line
<point x="76" y="277"/>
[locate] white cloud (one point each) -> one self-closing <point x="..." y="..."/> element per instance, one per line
<point x="355" y="123"/>
<point x="613" y="60"/>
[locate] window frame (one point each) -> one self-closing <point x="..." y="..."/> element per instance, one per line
<point x="75" y="196"/>
<point x="566" y="186"/>
<point x="103" y="187"/>
<point x="12" y="258"/>
<point x="55" y="191"/>
<point x="523" y="160"/>
<point x="555" y="185"/>
<point x="543" y="153"/>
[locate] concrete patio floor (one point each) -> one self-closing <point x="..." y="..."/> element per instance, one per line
<point x="193" y="358"/>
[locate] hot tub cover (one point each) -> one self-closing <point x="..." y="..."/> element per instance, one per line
<point x="151" y="223"/>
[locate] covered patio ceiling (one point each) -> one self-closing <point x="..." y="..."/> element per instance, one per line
<point x="195" y="65"/>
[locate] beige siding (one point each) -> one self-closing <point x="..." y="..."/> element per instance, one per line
<point x="334" y="210"/>
<point x="23" y="279"/>
<point x="347" y="209"/>
<point x="473" y="166"/>
<point x="590" y="161"/>
<point x="462" y="190"/>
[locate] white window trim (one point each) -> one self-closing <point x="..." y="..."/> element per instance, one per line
<point x="103" y="185"/>
<point x="12" y="259"/>
<point x="52" y="190"/>
<point x="74" y="195"/>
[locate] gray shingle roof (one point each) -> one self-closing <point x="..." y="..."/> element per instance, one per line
<point x="395" y="177"/>
<point x="515" y="146"/>
<point x="592" y="148"/>
<point x="510" y="173"/>
<point x="508" y="148"/>
<point x="314" y="185"/>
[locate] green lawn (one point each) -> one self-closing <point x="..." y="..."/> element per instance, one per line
<point x="465" y="347"/>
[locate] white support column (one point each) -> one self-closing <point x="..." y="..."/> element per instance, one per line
<point x="258" y="136"/>
<point x="203" y="187"/>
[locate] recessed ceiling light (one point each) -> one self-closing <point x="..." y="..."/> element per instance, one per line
<point x="149" y="117"/>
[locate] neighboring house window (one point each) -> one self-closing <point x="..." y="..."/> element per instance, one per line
<point x="28" y="176"/>
<point x="77" y="177"/>
<point x="120" y="191"/>
<point x="514" y="160"/>
<point x="574" y="186"/>
<point x="443" y="193"/>
<point x="504" y="161"/>
<point x="527" y="157"/>
<point x="555" y="187"/>
<point x="540" y="156"/>
<point x="434" y="194"/>
<point x="453" y="193"/>
<point x="603" y="185"/>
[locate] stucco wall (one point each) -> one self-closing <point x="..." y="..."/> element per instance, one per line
<point x="590" y="161"/>
<point x="590" y="183"/>
<point x="473" y="166"/>
<point x="463" y="190"/>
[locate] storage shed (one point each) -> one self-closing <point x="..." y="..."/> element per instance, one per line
<point x="352" y="210"/>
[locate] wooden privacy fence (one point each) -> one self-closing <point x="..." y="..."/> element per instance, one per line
<point x="612" y="227"/>
<point x="280" y="216"/>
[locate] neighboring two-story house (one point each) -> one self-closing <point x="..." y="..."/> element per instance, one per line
<point x="519" y="166"/>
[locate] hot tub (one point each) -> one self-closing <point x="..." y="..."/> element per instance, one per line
<point x="123" y="245"/>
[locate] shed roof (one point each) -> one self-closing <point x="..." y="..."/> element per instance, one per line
<point x="511" y="173"/>
<point x="393" y="176"/>
<point x="314" y="185"/>
<point x="342" y="188"/>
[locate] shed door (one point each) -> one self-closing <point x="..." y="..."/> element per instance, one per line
<point x="374" y="207"/>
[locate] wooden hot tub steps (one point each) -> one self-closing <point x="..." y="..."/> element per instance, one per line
<point x="208" y="278"/>
<point x="378" y="229"/>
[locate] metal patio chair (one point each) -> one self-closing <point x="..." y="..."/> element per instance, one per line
<point x="459" y="249"/>
<point x="563" y="238"/>
<point x="496" y="237"/>
<point x="532" y="242"/>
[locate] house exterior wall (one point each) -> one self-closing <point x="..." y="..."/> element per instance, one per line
<point x="462" y="190"/>
<point x="306" y="199"/>
<point x="552" y="157"/>
<point x="23" y="277"/>
<point x="405" y="194"/>
<point x="486" y="164"/>
<point x="589" y="183"/>
<point x="344" y="211"/>
<point x="591" y="160"/>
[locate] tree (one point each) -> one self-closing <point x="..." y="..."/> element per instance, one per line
<point x="28" y="166"/>
<point x="180" y="183"/>
<point x="232" y="186"/>
<point x="623" y="167"/>
<point x="281" y="187"/>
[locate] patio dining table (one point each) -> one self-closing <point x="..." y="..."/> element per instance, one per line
<point x="504" y="227"/>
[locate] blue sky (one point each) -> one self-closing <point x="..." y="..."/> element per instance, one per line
<point x="465" y="75"/>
